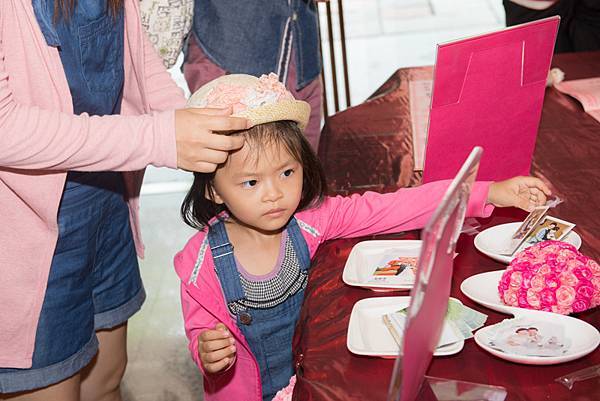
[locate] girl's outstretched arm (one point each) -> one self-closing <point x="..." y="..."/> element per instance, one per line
<point x="403" y="210"/>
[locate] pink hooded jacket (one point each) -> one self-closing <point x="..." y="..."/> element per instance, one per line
<point x="41" y="139"/>
<point x="202" y="298"/>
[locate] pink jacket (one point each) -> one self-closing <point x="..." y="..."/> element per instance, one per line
<point x="203" y="301"/>
<point x="40" y="139"/>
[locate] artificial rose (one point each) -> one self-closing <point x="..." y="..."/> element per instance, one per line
<point x="568" y="278"/>
<point x="537" y="282"/>
<point x="522" y="299"/>
<point x="515" y="280"/>
<point x="527" y="275"/>
<point x="565" y="296"/>
<point x="548" y="297"/>
<point x="582" y="272"/>
<point x="580" y="305"/>
<point x="551" y="280"/>
<point x="545" y="269"/>
<point x="594" y="267"/>
<point x="585" y="290"/>
<point x="533" y="298"/>
<point x="510" y="298"/>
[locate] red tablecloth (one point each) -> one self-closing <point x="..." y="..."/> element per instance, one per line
<point x="567" y="154"/>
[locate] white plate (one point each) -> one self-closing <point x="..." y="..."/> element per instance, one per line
<point x="584" y="339"/>
<point x="483" y="289"/>
<point x="490" y="240"/>
<point x="366" y="254"/>
<point x="368" y="335"/>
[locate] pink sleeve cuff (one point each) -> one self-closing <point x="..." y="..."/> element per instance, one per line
<point x="478" y="205"/>
<point x="167" y="149"/>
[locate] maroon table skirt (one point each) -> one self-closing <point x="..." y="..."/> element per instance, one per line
<point x="567" y="155"/>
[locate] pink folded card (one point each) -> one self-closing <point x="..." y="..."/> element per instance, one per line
<point x="488" y="91"/>
<point x="587" y="91"/>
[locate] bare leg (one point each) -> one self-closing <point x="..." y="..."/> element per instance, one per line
<point x="101" y="379"/>
<point x="66" y="390"/>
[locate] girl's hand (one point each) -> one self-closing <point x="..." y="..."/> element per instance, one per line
<point x="216" y="349"/>
<point x="523" y="192"/>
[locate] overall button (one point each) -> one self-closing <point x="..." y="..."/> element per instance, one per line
<point x="245" y="318"/>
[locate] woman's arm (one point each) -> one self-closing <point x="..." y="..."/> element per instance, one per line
<point x="35" y="138"/>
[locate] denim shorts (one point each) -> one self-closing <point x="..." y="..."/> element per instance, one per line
<point x="94" y="282"/>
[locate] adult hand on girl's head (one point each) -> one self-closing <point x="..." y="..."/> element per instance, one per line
<point x="216" y="348"/>
<point x="523" y="192"/>
<point x="198" y="147"/>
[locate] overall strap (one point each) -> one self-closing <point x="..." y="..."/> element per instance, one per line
<point x="222" y="253"/>
<point x="299" y="243"/>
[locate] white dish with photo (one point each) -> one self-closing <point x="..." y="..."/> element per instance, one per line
<point x="365" y="258"/>
<point x="368" y="335"/>
<point x="581" y="338"/>
<point x="483" y="289"/>
<point x="492" y="240"/>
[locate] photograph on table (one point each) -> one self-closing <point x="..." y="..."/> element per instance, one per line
<point x="525" y="336"/>
<point x="395" y="269"/>
<point x="550" y="228"/>
<point x="530" y="222"/>
<point x="526" y="228"/>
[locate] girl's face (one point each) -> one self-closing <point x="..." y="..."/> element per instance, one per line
<point x="260" y="187"/>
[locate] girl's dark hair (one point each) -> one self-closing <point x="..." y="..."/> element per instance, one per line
<point x="197" y="210"/>
<point x="65" y="8"/>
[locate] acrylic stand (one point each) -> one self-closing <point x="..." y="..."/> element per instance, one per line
<point x="429" y="300"/>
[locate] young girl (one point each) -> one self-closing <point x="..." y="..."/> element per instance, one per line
<point x="262" y="216"/>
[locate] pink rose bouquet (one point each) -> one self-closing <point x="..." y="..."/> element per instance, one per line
<point x="551" y="276"/>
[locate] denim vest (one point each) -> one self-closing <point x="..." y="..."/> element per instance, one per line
<point x="256" y="36"/>
<point x="269" y="331"/>
<point x="91" y="46"/>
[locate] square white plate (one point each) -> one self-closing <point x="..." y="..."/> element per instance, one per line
<point x="368" y="335"/>
<point x="365" y="256"/>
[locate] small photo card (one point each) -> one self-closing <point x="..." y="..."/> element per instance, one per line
<point x="550" y="228"/>
<point x="528" y="337"/>
<point x="525" y="229"/>
<point x="530" y="222"/>
<point x="394" y="269"/>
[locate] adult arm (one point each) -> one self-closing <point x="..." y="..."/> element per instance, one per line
<point x="33" y="138"/>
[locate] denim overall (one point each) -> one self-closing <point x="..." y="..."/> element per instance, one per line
<point x="269" y="331"/>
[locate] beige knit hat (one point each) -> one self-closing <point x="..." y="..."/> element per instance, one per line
<point x="260" y="100"/>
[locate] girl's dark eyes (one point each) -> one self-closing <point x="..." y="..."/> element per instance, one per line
<point x="288" y="172"/>
<point x="249" y="183"/>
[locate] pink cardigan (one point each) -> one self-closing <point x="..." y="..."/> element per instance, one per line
<point x="40" y="139"/>
<point x="202" y="299"/>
